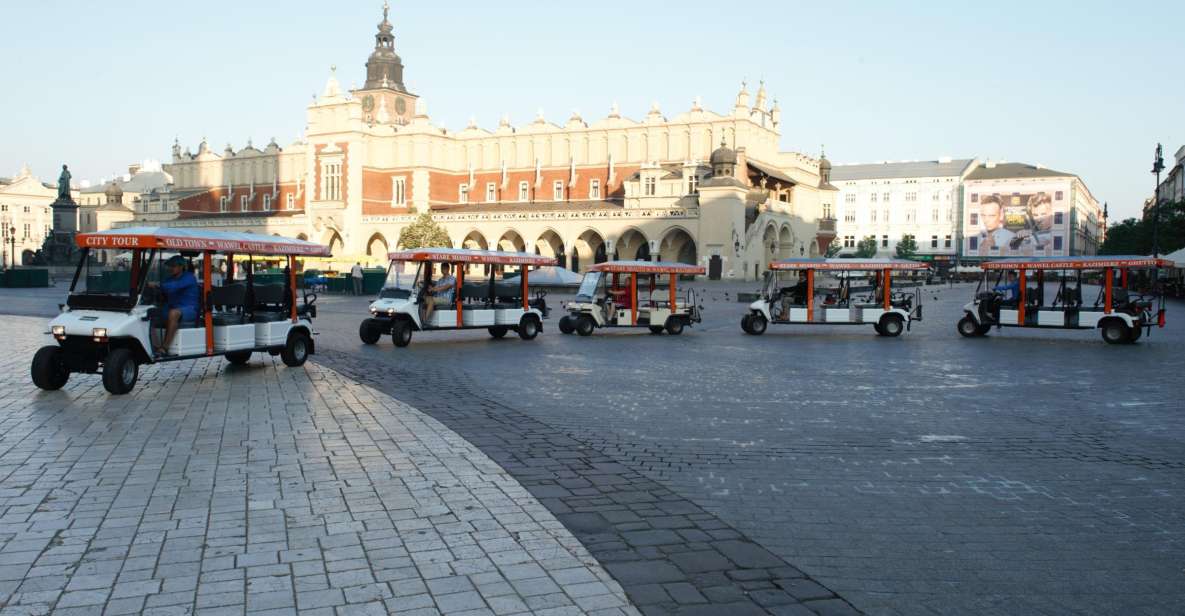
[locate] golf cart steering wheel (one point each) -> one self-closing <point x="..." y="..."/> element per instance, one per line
<point x="310" y="298"/>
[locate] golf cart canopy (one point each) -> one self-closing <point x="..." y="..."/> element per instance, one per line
<point x="464" y="255"/>
<point x="847" y="264"/>
<point x="169" y="238"/>
<point x="1061" y="263"/>
<point x="646" y="267"/>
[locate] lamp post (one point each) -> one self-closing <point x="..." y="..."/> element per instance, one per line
<point x="1157" y="167"/>
<point x="12" y="243"/>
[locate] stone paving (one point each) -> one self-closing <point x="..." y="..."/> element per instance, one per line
<point x="214" y="489"/>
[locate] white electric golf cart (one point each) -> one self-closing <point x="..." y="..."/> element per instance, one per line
<point x="482" y="297"/>
<point x="106" y="325"/>
<point x="608" y="297"/>
<point x="1119" y="313"/>
<point x="857" y="292"/>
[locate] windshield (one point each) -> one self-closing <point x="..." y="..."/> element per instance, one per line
<point x="588" y="287"/>
<point x="401" y="280"/>
<point x="109" y="278"/>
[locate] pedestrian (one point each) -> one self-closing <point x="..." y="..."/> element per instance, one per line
<point x="356" y="275"/>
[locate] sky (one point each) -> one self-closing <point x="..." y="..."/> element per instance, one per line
<point x="1083" y="87"/>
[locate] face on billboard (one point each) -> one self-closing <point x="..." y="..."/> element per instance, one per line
<point x="1017" y="224"/>
<point x="989" y="214"/>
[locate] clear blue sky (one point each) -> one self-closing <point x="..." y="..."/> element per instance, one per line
<point x="1085" y="87"/>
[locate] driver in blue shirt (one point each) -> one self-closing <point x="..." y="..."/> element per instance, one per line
<point x="181" y="301"/>
<point x="1012" y="286"/>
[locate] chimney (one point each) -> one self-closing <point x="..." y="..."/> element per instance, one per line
<point x="991" y="164"/>
<point x="944" y="160"/>
<point x="741" y="172"/>
<point x="133" y="169"/>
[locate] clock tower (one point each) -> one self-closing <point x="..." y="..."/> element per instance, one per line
<point x="385" y="100"/>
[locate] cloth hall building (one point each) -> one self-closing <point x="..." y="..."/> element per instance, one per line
<point x="698" y="187"/>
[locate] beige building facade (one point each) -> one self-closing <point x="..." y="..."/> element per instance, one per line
<point x="585" y="191"/>
<point x="25" y="215"/>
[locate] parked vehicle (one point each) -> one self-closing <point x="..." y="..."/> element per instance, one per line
<point x="889" y="312"/>
<point x="499" y="305"/>
<point x="1005" y="299"/>
<point x="113" y="314"/>
<point x="608" y="297"/>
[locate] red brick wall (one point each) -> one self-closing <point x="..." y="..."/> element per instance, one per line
<point x="376" y="191"/>
<point x="206" y="203"/>
<point x="444" y="188"/>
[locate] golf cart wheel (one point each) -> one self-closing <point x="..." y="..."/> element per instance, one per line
<point x="1115" y="332"/>
<point x="746" y="323"/>
<point x="369" y="332"/>
<point x="968" y="328"/>
<point x="891" y="326"/>
<point x="757" y="324"/>
<point x="674" y="326"/>
<point x="48" y="370"/>
<point x="656" y="329"/>
<point x="401" y="333"/>
<point x="877" y="328"/>
<point x="585" y="325"/>
<point x="239" y="358"/>
<point x="528" y="328"/>
<point x="566" y="325"/>
<point x="1136" y="333"/>
<point x="498" y="331"/>
<point x="296" y="349"/>
<point x="120" y="372"/>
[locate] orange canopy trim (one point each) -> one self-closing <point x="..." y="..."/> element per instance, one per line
<point x="847" y="264"/>
<point x="462" y="255"/>
<point x="1057" y="263"/>
<point x="646" y="267"/>
<point x="166" y="238"/>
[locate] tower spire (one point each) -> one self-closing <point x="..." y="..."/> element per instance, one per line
<point x="384" y="64"/>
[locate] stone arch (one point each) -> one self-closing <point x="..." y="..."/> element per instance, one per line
<point x="377" y="247"/>
<point x="769" y="245"/>
<point x="814" y="252"/>
<point x="302" y="236"/>
<point x="678" y="245"/>
<point x="786" y="242"/>
<point x="474" y="240"/>
<point x="589" y="248"/>
<point x="632" y="244"/>
<point x="550" y="244"/>
<point x="335" y="243"/>
<point x="511" y="241"/>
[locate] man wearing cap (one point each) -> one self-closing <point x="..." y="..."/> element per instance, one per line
<point x="181" y="301"/>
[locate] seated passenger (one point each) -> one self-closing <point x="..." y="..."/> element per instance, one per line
<point x="441" y="294"/>
<point x="181" y="302"/>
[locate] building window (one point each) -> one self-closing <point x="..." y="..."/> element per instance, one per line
<point x="872" y="197"/>
<point x="950" y="216"/>
<point x="884" y="241"/>
<point x="933" y="241"/>
<point x="1057" y="196"/>
<point x="849" y="215"/>
<point x="222" y="203"/>
<point x="974" y="197"/>
<point x="885" y="217"/>
<point x="946" y="244"/>
<point x="463" y="194"/>
<point x="26" y="229"/>
<point x="649" y="186"/>
<point x="491" y="192"/>
<point x="934" y="215"/>
<point x="934" y="197"/>
<point x="1057" y="242"/>
<point x="398" y="191"/>
<point x="267" y="203"/>
<point x="524" y="191"/>
<point x="3" y="208"/>
<point x="557" y="190"/>
<point x="27" y="209"/>
<point x="886" y="197"/>
<point x="973" y="243"/>
<point x="827" y="211"/>
<point x="1058" y="218"/>
<point x="849" y="241"/>
<point x="974" y="218"/>
<point x="911" y="215"/>
<point x="243" y="203"/>
<point x="693" y="184"/>
<point x="872" y="216"/>
<point x="331" y="181"/>
<point x="849" y="198"/>
<point x="911" y="197"/>
<point x="290" y="202"/>
<point x="594" y="189"/>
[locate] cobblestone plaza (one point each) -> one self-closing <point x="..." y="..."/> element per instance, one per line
<point x="821" y="470"/>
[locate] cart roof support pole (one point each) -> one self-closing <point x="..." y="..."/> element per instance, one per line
<point x="1020" y="308"/>
<point x="526" y="303"/>
<point x="1108" y="280"/>
<point x="810" y="296"/>
<point x="634" y="299"/>
<point x="206" y="303"/>
<point x="888" y="294"/>
<point x="457" y="299"/>
<point x="672" y="302"/>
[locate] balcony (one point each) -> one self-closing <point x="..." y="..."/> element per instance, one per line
<point x="827" y="227"/>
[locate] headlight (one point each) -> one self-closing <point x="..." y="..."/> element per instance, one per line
<point x="58" y="330"/>
<point x="374" y="311"/>
<point x="99" y="332"/>
<point x="390" y="312"/>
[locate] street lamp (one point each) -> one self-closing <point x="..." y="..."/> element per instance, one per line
<point x="12" y="242"/>
<point x="1157" y="167"/>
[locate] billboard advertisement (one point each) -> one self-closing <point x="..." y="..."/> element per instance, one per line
<point x="1016" y="225"/>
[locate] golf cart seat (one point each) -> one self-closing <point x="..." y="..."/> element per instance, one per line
<point x="227" y="303"/>
<point x="269" y="304"/>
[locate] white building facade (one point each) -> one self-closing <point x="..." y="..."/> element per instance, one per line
<point x="25" y="215"/>
<point x="889" y="200"/>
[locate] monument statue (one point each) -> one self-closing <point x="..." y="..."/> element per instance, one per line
<point x="64" y="184"/>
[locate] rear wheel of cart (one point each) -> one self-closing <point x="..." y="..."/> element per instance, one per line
<point x="585" y="325"/>
<point x="892" y="325"/>
<point x="528" y="328"/>
<point x="1136" y="333"/>
<point x="877" y="328"/>
<point x="239" y="358"/>
<point x="401" y="333"/>
<point x="1115" y="331"/>
<point x="968" y="328"/>
<point x="48" y="371"/>
<point x="746" y="323"/>
<point x="498" y="331"/>
<point x="566" y="325"/>
<point x="757" y="324"/>
<point x="656" y="329"/>
<point x="674" y="326"/>
<point x="369" y="332"/>
<point x="120" y="372"/>
<point x="296" y="349"/>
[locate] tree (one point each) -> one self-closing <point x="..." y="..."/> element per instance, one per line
<point x="833" y="249"/>
<point x="866" y="247"/>
<point x="1134" y="236"/>
<point x="424" y="233"/>
<point x="907" y="247"/>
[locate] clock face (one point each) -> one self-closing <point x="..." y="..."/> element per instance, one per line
<point x="400" y="105"/>
<point x="368" y="102"/>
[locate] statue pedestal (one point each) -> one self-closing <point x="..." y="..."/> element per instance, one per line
<point x="59" y="247"/>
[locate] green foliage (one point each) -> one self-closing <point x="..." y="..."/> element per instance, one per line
<point x="833" y="249"/>
<point x="1134" y="236"/>
<point x="424" y="233"/>
<point x="907" y="247"/>
<point x="866" y="248"/>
